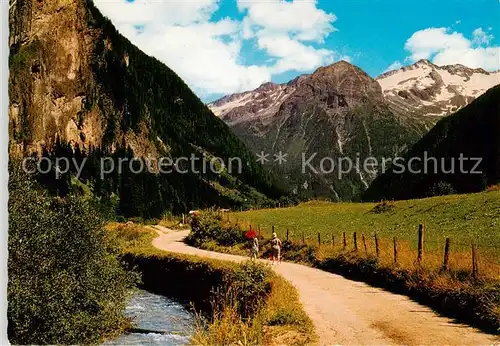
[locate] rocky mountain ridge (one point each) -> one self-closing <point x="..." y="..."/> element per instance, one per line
<point x="337" y="111"/>
<point x="429" y="90"/>
<point x="422" y="88"/>
<point x="340" y="111"/>
<point x="461" y="154"/>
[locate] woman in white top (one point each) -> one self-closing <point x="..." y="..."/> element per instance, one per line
<point x="276" y="248"/>
<point x="255" y="247"/>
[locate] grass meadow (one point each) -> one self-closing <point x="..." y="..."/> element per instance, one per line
<point x="465" y="219"/>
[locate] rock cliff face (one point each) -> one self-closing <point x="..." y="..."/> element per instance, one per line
<point x="75" y="79"/>
<point x="51" y="48"/>
<point x="336" y="112"/>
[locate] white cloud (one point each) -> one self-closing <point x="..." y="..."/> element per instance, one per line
<point x="396" y="65"/>
<point x="293" y="55"/>
<point x="487" y="58"/>
<point x="444" y="47"/>
<point x="287" y="32"/>
<point x="207" y="54"/>
<point x="480" y="37"/>
<point x="203" y="59"/>
<point x="300" y="19"/>
<point x="167" y="12"/>
<point x="425" y="43"/>
<point x="180" y="34"/>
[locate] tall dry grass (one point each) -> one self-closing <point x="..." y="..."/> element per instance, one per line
<point x="280" y="319"/>
<point x="226" y="326"/>
<point x="459" y="265"/>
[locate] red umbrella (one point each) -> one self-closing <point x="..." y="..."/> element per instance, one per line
<point x="251" y="234"/>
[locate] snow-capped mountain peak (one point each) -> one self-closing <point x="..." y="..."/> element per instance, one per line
<point x="263" y="101"/>
<point x="427" y="89"/>
<point x="420" y="89"/>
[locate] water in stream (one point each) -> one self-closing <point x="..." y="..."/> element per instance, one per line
<point x="154" y="312"/>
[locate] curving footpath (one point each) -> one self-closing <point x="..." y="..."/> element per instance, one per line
<point x="352" y="313"/>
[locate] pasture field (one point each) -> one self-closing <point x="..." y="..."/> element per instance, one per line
<point x="462" y="218"/>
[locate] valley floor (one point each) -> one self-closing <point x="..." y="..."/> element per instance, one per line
<point x="349" y="312"/>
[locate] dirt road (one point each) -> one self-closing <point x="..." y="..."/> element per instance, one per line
<point x="352" y="313"/>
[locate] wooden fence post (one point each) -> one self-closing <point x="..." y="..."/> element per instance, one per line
<point x="287" y="234"/>
<point x="333" y="240"/>
<point x="420" y="243"/>
<point x="377" y="249"/>
<point x="474" y="261"/>
<point x="355" y="242"/>
<point x="273" y="228"/>
<point x="446" y="254"/>
<point x="345" y="241"/>
<point x="364" y="243"/>
<point x="395" y="250"/>
<point x="319" y="239"/>
<point x="183" y="219"/>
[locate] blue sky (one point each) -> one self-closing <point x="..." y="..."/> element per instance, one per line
<point x="221" y="47"/>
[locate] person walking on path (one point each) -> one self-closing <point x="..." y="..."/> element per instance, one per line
<point x="276" y="249"/>
<point x="255" y="247"/>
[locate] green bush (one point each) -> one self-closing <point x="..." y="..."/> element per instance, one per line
<point x="204" y="227"/>
<point x="207" y="226"/>
<point x="383" y="207"/>
<point x="250" y="282"/>
<point x="65" y="284"/>
<point x="441" y="188"/>
<point x="230" y="236"/>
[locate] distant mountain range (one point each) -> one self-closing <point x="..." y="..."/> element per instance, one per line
<point x="340" y="111"/>
<point x="430" y="90"/>
<point x="337" y="111"/>
<point x="461" y="154"/>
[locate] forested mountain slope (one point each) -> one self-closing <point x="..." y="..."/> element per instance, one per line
<point x="79" y="88"/>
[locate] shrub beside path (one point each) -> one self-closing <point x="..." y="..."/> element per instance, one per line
<point x="348" y="312"/>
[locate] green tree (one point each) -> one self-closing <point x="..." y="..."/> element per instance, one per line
<point x="66" y="285"/>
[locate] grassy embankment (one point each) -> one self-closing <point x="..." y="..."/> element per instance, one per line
<point x="241" y="303"/>
<point x="462" y="218"/>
